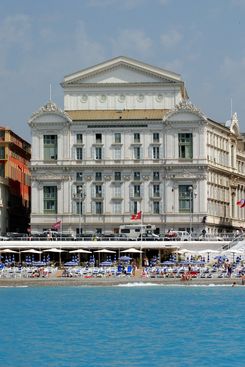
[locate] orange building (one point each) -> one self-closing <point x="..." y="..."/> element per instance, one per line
<point x="15" y="189"/>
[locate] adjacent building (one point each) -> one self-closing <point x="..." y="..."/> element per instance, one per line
<point x="15" y="183"/>
<point x="130" y="140"/>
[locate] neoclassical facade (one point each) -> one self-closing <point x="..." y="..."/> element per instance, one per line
<point x="130" y="140"/>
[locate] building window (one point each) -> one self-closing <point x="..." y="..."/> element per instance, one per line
<point x="98" y="176"/>
<point x="117" y="137"/>
<point x="117" y="176"/>
<point x="117" y="153"/>
<point x="117" y="207"/>
<point x="50" y="199"/>
<point x="2" y="153"/>
<point x="135" y="207"/>
<point x="156" y="138"/>
<point x="1" y="170"/>
<point x="117" y="191"/>
<point x="185" y="146"/>
<point x="98" y="207"/>
<point x="50" y="147"/>
<point x="136" y="137"/>
<point x="156" y="207"/>
<point x="79" y="176"/>
<point x="79" y="207"/>
<point x="136" y="152"/>
<point x="98" y="191"/>
<point x="98" y="138"/>
<point x="155" y="153"/>
<point x="79" y="154"/>
<point x="136" y="191"/>
<point x="156" y="190"/>
<point x="185" y="199"/>
<point x="98" y="153"/>
<point x="136" y="176"/>
<point x="156" y="176"/>
<point x="79" y="138"/>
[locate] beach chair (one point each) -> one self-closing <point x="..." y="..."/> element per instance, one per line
<point x="129" y="270"/>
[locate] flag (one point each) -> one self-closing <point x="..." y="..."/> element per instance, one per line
<point x="136" y="216"/>
<point x="56" y="225"/>
<point x="241" y="203"/>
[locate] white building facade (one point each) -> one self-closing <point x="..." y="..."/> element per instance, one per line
<point x="129" y="140"/>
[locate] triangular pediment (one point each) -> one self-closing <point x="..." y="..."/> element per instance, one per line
<point x="121" y="70"/>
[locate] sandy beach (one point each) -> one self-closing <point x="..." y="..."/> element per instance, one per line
<point x="115" y="281"/>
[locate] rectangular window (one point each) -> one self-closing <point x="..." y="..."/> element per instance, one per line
<point x="79" y="154"/>
<point x="156" y="207"/>
<point x="79" y="176"/>
<point x="117" y="207"/>
<point x="185" y="146"/>
<point x="98" y="138"/>
<point x="185" y="199"/>
<point x="50" y="199"/>
<point x="137" y="191"/>
<point x="136" y="137"/>
<point x="136" y="152"/>
<point x="117" y="137"/>
<point x="156" y="190"/>
<point x="2" y="152"/>
<point x="98" y="191"/>
<point x="79" y="138"/>
<point x="155" y="152"/>
<point x="117" y="191"/>
<point x="136" y="176"/>
<point x="98" y="207"/>
<point x="135" y="207"/>
<point x="79" y="207"/>
<point x="50" y="147"/>
<point x="117" y="153"/>
<point x="98" y="153"/>
<point x="156" y="176"/>
<point x="98" y="176"/>
<point x="117" y="176"/>
<point x="156" y="138"/>
<point x="1" y="170"/>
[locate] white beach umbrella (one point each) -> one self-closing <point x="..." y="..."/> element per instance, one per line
<point x="133" y="250"/>
<point x="80" y="251"/>
<point x="9" y="251"/>
<point x="208" y="251"/>
<point x="32" y="251"/>
<point x="54" y="250"/>
<point x="184" y="251"/>
<point x="104" y="250"/>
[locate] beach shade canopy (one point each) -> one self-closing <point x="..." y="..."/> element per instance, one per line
<point x="133" y="250"/>
<point x="234" y="251"/>
<point x="183" y="251"/>
<point x="80" y="251"/>
<point x="32" y="251"/>
<point x="105" y="251"/>
<point x="9" y="251"/>
<point x="54" y="250"/>
<point x="208" y="251"/>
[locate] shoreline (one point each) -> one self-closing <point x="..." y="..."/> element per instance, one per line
<point x="111" y="281"/>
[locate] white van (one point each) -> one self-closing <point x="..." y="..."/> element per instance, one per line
<point x="133" y="231"/>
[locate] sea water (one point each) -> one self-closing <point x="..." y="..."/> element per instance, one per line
<point x="122" y="326"/>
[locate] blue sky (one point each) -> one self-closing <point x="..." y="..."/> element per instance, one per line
<point x="42" y="41"/>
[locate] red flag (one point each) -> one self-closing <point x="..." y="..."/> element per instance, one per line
<point x="241" y="203"/>
<point x="56" y="225"/>
<point x="136" y="216"/>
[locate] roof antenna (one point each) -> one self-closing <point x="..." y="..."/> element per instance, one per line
<point x="50" y="92"/>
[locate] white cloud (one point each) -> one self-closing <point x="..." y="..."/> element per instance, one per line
<point x="131" y="41"/>
<point x="171" y="38"/>
<point x="127" y="4"/>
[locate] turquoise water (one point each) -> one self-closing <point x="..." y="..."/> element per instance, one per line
<point x="122" y="326"/>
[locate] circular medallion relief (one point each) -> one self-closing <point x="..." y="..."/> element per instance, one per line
<point x="102" y="98"/>
<point x="121" y="98"/>
<point x="159" y="97"/>
<point x="84" y="98"/>
<point x="140" y="98"/>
